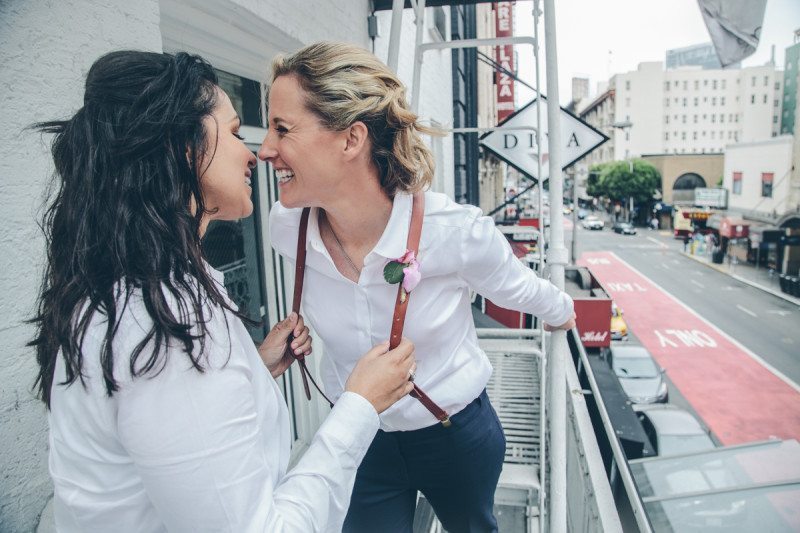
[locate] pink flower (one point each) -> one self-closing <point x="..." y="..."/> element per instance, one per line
<point x="408" y="257"/>
<point x="411" y="275"/>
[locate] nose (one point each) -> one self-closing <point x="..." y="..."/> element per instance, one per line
<point x="267" y="151"/>
<point x="251" y="161"/>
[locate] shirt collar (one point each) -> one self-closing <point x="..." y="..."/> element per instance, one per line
<point x="394" y="239"/>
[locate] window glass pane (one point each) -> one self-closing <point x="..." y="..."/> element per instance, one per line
<point x="234" y="248"/>
<point x="245" y="95"/>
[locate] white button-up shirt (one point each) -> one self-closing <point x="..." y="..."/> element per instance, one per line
<point x="190" y="451"/>
<point x="459" y="249"/>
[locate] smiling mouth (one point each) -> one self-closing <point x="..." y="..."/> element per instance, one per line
<point x="284" y="176"/>
<point x="248" y="182"/>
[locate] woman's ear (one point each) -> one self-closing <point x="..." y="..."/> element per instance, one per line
<point x="357" y="140"/>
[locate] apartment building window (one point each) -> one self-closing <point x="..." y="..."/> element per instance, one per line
<point x="776" y="102"/>
<point x="684" y="85"/>
<point x="737" y="183"/>
<point x="627" y="102"/>
<point x="723" y="84"/>
<point x="684" y="102"/>
<point x="705" y="99"/>
<point x="712" y="134"/>
<point x="721" y="118"/>
<point x="765" y="98"/>
<point x="696" y="84"/>
<point x="676" y="101"/>
<point x="721" y="100"/>
<point x="705" y="83"/>
<point x="666" y="136"/>
<point x="753" y="82"/>
<point x="714" y="85"/>
<point x="683" y="119"/>
<point x="695" y="119"/>
<point x="627" y="135"/>
<point x="675" y="83"/>
<point x="666" y="119"/>
<point x="694" y="135"/>
<point x="695" y="101"/>
<point x="683" y="135"/>
<point x="778" y="84"/>
<point x="704" y="116"/>
<point x="775" y="119"/>
<point x="666" y="86"/>
<point x="704" y="133"/>
<point x="752" y="99"/>
<point x="713" y="118"/>
<point x="766" y="184"/>
<point x="766" y="81"/>
<point x="666" y="102"/>
<point x="627" y="85"/>
<point x="714" y="100"/>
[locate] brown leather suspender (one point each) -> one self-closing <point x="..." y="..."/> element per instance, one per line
<point x="401" y="304"/>
<point x="299" y="272"/>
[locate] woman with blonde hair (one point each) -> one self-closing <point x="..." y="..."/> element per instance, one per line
<point x="353" y="173"/>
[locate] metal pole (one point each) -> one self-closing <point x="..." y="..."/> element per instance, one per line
<point x="543" y="453"/>
<point x="419" y="10"/>
<point x="394" y="35"/>
<point x="574" y="244"/>
<point x="557" y="259"/>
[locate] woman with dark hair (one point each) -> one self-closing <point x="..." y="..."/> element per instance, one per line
<point x="351" y="160"/>
<point x="162" y="413"/>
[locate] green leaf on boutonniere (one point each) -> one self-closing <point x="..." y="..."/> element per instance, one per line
<point x="393" y="272"/>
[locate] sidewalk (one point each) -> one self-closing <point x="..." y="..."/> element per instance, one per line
<point x="760" y="278"/>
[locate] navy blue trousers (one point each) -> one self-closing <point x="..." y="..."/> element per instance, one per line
<point x="456" y="468"/>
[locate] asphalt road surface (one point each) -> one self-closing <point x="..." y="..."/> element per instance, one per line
<point x="763" y="323"/>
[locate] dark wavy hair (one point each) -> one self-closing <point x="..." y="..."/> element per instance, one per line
<point x="125" y="215"/>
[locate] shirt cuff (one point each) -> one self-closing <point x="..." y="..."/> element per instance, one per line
<point x="353" y="422"/>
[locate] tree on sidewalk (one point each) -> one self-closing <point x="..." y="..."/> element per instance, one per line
<point x="621" y="180"/>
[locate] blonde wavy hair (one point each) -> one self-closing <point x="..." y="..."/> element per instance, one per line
<point x="345" y="84"/>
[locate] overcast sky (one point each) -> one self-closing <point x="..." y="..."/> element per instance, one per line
<point x="598" y="38"/>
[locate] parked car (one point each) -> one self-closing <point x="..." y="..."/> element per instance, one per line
<point x="641" y="378"/>
<point x="619" y="328"/>
<point x="672" y="430"/>
<point x="625" y="228"/>
<point x="592" y="222"/>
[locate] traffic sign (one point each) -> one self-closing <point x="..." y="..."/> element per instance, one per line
<point x="515" y="143"/>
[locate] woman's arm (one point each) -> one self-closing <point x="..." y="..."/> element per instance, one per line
<point x="209" y="463"/>
<point x="490" y="267"/>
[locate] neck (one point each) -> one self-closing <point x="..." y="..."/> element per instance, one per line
<point x="359" y="216"/>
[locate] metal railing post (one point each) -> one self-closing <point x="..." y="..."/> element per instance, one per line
<point x="419" y="10"/>
<point x="394" y="35"/>
<point x="557" y="260"/>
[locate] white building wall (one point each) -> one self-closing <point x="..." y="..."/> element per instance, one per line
<point x="752" y="159"/>
<point x="46" y="49"/>
<point x="436" y="87"/>
<point x="691" y="110"/>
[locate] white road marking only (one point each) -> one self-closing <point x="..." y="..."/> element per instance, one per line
<point x="698" y="283"/>
<point x="746" y="310"/>
<point x="659" y="243"/>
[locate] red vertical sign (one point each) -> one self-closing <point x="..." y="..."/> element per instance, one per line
<point x="504" y="56"/>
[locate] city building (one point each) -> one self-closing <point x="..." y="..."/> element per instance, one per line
<point x="45" y="81"/>
<point x="701" y="55"/>
<point x="790" y="86"/>
<point x="758" y="176"/>
<point x="691" y="110"/>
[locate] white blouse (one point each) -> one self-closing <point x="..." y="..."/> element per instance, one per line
<point x="191" y="451"/>
<point x="459" y="249"/>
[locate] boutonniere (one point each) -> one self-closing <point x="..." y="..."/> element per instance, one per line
<point x="404" y="269"/>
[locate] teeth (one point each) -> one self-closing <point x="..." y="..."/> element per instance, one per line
<point x="284" y="175"/>
<point x="247" y="181"/>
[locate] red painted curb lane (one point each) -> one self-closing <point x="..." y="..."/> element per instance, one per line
<point x="739" y="398"/>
